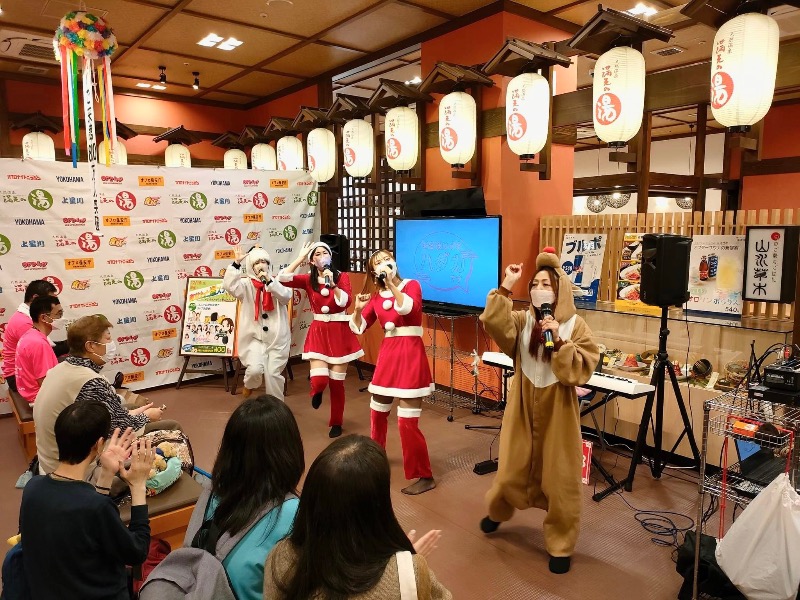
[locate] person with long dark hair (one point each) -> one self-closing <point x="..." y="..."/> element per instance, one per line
<point x="330" y="345"/>
<point x="540" y="443"/>
<point x="402" y="370"/>
<point x="346" y="541"/>
<point x="253" y="488"/>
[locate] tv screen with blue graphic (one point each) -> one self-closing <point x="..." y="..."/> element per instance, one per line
<point x="455" y="259"/>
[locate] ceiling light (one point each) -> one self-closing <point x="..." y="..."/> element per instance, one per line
<point x="642" y="10"/>
<point x="159" y="87"/>
<point x="230" y="44"/>
<point x="196" y="84"/>
<point x="143" y="85"/>
<point x="162" y="78"/>
<point x="414" y="81"/>
<point x="210" y="40"/>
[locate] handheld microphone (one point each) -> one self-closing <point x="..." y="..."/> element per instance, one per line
<point x="547" y="311"/>
<point x="382" y="277"/>
<point x="327" y="265"/>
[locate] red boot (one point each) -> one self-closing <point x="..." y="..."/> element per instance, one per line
<point x="319" y="381"/>
<point x="379" y="421"/>
<point x="416" y="462"/>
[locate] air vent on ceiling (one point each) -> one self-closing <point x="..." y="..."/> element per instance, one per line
<point x="25" y="46"/>
<point x="31" y="70"/>
<point x="668" y="51"/>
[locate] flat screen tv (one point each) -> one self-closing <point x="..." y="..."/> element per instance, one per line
<point x="455" y="259"/>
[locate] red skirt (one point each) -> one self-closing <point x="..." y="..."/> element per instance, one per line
<point x="402" y="370"/>
<point x="331" y="341"/>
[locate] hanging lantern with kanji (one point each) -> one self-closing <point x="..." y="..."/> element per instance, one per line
<point x="38" y="146"/>
<point x="321" y="149"/>
<point x="290" y="154"/>
<point x="618" y="95"/>
<point x="457" y="128"/>
<point x="177" y="155"/>
<point x="527" y="114"/>
<point x="119" y="154"/>
<point x="358" y="147"/>
<point x="401" y="131"/>
<point x="263" y="158"/>
<point x="744" y="62"/>
<point x="234" y="159"/>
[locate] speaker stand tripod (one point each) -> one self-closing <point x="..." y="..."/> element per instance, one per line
<point x="662" y="367"/>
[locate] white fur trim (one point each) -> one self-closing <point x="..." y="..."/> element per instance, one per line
<point x="358" y="330"/>
<point x="387" y="304"/>
<point x="318" y="372"/>
<point x="325" y="292"/>
<point x="409" y="413"/>
<point x="408" y="331"/>
<point x="380" y="406"/>
<point x="408" y="304"/>
<point x="285" y="277"/>
<point x="254" y="255"/>
<point x="325" y="310"/>
<point x="389" y="294"/>
<point x="316" y="245"/>
<point x="337" y="376"/>
<point x="332" y="360"/>
<point x="331" y="318"/>
<point x="401" y="392"/>
<point x="389" y="326"/>
<point x="344" y="299"/>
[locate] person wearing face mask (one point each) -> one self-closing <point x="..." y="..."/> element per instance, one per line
<point x="264" y="336"/>
<point x="402" y="369"/>
<point x="35" y="356"/>
<point x="330" y="345"/>
<point x="540" y="458"/>
<point x="79" y="378"/>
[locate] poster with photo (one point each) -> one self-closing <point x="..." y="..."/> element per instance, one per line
<point x="716" y="270"/>
<point x="209" y="319"/>
<point x="629" y="277"/>
<point x="582" y="259"/>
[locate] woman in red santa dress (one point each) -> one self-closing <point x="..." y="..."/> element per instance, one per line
<point x="402" y="369"/>
<point x="330" y="345"/>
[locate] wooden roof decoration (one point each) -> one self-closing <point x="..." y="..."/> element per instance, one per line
<point x="347" y="107"/>
<point x="391" y="93"/>
<point x="178" y="135"/>
<point x="228" y="140"/>
<point x="519" y="56"/>
<point x="251" y="135"/>
<point x="448" y="77"/>
<point x="715" y="13"/>
<point x="610" y="28"/>
<point x="38" y="122"/>
<point x="278" y="127"/>
<point x="310" y="118"/>
<point x="123" y="130"/>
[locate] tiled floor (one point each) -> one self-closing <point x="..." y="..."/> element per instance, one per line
<point x="615" y="557"/>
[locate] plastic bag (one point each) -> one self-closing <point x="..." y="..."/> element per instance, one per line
<point x="759" y="554"/>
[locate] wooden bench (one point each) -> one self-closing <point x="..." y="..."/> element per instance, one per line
<point x="170" y="510"/>
<point x="23" y="413"/>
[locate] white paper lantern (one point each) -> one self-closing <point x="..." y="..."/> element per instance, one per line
<point x="358" y="146"/>
<point x="618" y="95"/>
<point x="234" y="159"/>
<point x="402" y="138"/>
<point x="457" y="128"/>
<point x="321" y="148"/>
<point x="744" y="61"/>
<point x="290" y="154"/>
<point x="262" y="158"/>
<point x="177" y="155"/>
<point x="38" y="146"/>
<point x="119" y="154"/>
<point x="527" y="114"/>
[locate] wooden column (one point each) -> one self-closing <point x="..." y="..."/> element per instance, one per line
<point x="5" y="126"/>
<point x="700" y="156"/>
<point x="422" y="160"/>
<point x="545" y="156"/>
<point x="643" y="163"/>
<point x="477" y="160"/>
<point x="327" y="202"/>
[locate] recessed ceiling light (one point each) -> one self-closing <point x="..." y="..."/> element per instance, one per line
<point x="159" y="87"/>
<point x="210" y="40"/>
<point x="230" y="44"/>
<point x="143" y="85"/>
<point x="642" y="10"/>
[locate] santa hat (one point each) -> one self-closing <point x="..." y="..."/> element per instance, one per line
<point x="256" y="254"/>
<point x="316" y="245"/>
<point x="565" y="304"/>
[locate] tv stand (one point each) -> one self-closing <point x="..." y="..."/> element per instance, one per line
<point x="444" y="320"/>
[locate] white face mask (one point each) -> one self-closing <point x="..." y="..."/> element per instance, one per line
<point x="539" y="297"/>
<point x="323" y="262"/>
<point x="111" y="351"/>
<point x="57" y="323"/>
<point x="390" y="264"/>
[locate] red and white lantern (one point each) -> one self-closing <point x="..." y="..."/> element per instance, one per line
<point x="457" y="128"/>
<point x="234" y="159"/>
<point x="358" y="146"/>
<point x="177" y="155"/>
<point x="290" y="154"/>
<point x="401" y="132"/>
<point x="744" y="62"/>
<point x="527" y="114"/>
<point x="618" y="95"/>
<point x="263" y="158"/>
<point x="321" y="149"/>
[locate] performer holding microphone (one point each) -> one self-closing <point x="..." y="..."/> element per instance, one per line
<point x="402" y="369"/>
<point x="264" y="336"/>
<point x="540" y="442"/>
<point x="330" y="345"/>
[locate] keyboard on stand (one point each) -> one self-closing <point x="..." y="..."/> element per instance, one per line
<point x="603" y="382"/>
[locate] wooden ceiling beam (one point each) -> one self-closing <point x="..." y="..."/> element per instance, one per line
<point x="567" y="6"/>
<point x="361" y="78"/>
<point x="427" y="9"/>
<point x="217" y="62"/>
<point x="152" y="29"/>
<point x="536" y="15"/>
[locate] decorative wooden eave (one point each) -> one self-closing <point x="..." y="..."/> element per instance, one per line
<point x="347" y="107"/>
<point x="251" y="135"/>
<point x="310" y="118"/>
<point x="178" y="135"/>
<point x="715" y="13"/>
<point x="391" y="93"/>
<point x="228" y="140"/>
<point x="449" y="77"/>
<point x="610" y="28"/>
<point x="278" y="127"/>
<point x="519" y="56"/>
<point x="38" y="122"/>
<point x="123" y="131"/>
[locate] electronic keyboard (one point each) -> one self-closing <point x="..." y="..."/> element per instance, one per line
<point x="497" y="359"/>
<point x="604" y="382"/>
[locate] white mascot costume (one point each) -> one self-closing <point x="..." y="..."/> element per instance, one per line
<point x="264" y="336"/>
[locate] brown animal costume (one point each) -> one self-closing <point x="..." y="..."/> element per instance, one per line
<point x="540" y="441"/>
